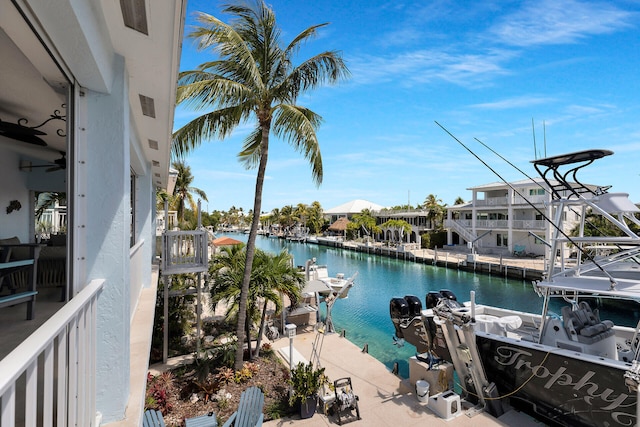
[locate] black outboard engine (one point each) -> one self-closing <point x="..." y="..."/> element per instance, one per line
<point x="434" y="298"/>
<point x="415" y="306"/>
<point x="406" y="315"/>
<point x="399" y="311"/>
<point x="448" y="295"/>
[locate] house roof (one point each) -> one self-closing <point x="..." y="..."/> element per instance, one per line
<point x="225" y="241"/>
<point x="353" y="207"/>
<point x="339" y="225"/>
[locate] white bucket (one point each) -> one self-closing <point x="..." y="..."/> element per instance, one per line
<point x="422" y="391"/>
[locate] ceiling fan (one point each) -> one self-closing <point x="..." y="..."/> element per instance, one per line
<point x="31" y="134"/>
<point x="22" y="133"/>
<point x="56" y="165"/>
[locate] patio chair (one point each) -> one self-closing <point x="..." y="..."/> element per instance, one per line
<point x="153" y="418"/>
<point x="249" y="413"/>
<point x="519" y="250"/>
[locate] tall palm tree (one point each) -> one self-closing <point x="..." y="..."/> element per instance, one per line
<point x="315" y="220"/>
<point x="183" y="190"/>
<point x="254" y="77"/>
<point x="270" y="275"/>
<point x="435" y="210"/>
<point x="364" y="221"/>
<point x="287" y="216"/>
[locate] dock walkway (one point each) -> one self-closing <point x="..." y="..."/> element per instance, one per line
<point x="385" y="400"/>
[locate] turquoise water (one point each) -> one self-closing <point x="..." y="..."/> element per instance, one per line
<point x="364" y="315"/>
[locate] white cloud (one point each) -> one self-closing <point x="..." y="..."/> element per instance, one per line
<point x="559" y="22"/>
<point x="517" y="102"/>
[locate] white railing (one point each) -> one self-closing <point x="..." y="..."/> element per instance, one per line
<point x="492" y="223"/>
<point x="529" y="224"/>
<point x="492" y="201"/>
<point x="63" y="385"/>
<point x="462" y="227"/>
<point x="184" y="251"/>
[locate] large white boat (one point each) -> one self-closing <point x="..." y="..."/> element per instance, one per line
<point x="318" y="280"/>
<point x="574" y="369"/>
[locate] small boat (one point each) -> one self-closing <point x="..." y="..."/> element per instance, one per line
<point x="578" y="368"/>
<point x="339" y="285"/>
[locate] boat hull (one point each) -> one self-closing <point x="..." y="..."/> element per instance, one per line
<point x="561" y="386"/>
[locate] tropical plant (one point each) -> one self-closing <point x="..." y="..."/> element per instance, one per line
<point x="364" y="221"/>
<point x="459" y="201"/>
<point x="254" y="76"/>
<point x="315" y="220"/>
<point x="305" y="381"/>
<point x="398" y="225"/>
<point x="435" y="210"/>
<point x="183" y="190"/>
<point x="271" y="275"/>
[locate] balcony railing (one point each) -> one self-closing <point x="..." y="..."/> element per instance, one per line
<point x="184" y="252"/>
<point x="530" y="224"/>
<point x="492" y="201"/>
<point x="63" y="385"/>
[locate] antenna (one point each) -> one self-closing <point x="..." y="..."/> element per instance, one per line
<point x="535" y="150"/>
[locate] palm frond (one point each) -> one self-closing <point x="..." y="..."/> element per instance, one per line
<point x="297" y="125"/>
<point x="216" y="124"/>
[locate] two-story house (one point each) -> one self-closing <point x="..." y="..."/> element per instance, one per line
<point x="87" y="97"/>
<point x="505" y="219"/>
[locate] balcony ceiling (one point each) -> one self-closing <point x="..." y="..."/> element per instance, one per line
<point x="33" y="87"/>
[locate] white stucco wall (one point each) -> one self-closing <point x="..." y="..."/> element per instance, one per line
<point x="107" y="245"/>
<point x="15" y="223"/>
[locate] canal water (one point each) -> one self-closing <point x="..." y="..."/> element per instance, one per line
<point x="364" y="315"/>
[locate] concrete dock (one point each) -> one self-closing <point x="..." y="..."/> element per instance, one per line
<point x="384" y="398"/>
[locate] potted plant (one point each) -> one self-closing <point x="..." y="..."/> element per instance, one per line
<point x="305" y="382"/>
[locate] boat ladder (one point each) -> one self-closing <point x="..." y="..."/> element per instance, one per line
<point x="461" y="341"/>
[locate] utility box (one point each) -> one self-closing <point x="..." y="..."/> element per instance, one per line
<point x="440" y="377"/>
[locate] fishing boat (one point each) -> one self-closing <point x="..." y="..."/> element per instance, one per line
<point x="337" y="285"/>
<point x="572" y="369"/>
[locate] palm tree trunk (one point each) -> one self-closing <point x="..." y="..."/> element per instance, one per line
<point x="247" y="330"/>
<point x="261" y="330"/>
<point x="251" y="243"/>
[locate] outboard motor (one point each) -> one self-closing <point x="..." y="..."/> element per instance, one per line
<point x="406" y="315"/>
<point x="433" y="298"/>
<point x="414" y="304"/>
<point x="448" y="295"/>
<point x="399" y="311"/>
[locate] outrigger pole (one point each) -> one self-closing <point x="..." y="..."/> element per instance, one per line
<point x="546" y="218"/>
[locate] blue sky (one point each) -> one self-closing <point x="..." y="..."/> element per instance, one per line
<point x="483" y="70"/>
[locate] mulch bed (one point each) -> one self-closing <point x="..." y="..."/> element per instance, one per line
<point x="186" y="397"/>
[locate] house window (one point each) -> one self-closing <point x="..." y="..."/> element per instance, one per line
<point x="132" y="206"/>
<point x="536" y="191"/>
<point x="502" y="240"/>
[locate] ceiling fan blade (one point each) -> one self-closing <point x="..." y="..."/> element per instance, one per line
<point x="16" y="129"/>
<point x="29" y="139"/>
<point x="22" y="133"/>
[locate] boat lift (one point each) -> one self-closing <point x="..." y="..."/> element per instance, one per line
<point x="457" y="325"/>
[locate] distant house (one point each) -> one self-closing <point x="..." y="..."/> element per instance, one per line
<point x="506" y="219"/>
<point x="350" y="208"/>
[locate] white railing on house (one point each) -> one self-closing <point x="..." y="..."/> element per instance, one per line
<point x="63" y="385"/>
<point x="529" y="224"/>
<point x="492" y="201"/>
<point x="184" y="252"/>
<point x="462" y="227"/>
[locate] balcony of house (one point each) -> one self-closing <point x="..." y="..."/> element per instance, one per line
<point x="47" y="364"/>
<point x="492" y="201"/>
<point x="185" y="251"/>
<point x="535" y="200"/>
<point x="498" y="224"/>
